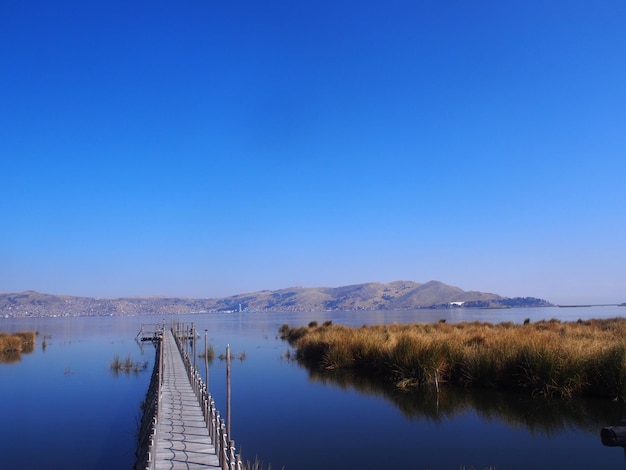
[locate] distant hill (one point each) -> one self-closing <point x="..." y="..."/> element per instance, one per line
<point x="369" y="296"/>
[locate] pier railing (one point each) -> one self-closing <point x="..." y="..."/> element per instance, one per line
<point x="148" y="431"/>
<point x="218" y="429"/>
<point x="150" y="332"/>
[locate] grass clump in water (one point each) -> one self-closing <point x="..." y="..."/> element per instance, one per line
<point x="23" y="341"/>
<point x="546" y="358"/>
<point x="127" y="365"/>
<point x="256" y="465"/>
<point x="14" y="344"/>
<point x="209" y="354"/>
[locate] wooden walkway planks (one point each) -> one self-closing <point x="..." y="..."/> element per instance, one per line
<point x="183" y="440"/>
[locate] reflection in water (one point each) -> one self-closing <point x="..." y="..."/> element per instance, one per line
<point x="135" y="369"/>
<point x="10" y="357"/>
<point x="44" y="343"/>
<point x="542" y="417"/>
<point x="274" y="404"/>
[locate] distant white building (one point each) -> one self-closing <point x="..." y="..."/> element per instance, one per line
<point x="456" y="304"/>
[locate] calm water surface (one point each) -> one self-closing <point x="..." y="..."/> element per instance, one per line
<point x="62" y="406"/>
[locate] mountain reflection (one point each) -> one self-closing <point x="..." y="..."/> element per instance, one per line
<point x="539" y="416"/>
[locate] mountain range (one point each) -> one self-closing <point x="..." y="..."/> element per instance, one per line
<point x="369" y="296"/>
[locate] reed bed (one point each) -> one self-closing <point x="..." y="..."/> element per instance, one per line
<point x="127" y="365"/>
<point x="256" y="465"/>
<point x="547" y="358"/>
<point x="209" y="354"/>
<point x="17" y="342"/>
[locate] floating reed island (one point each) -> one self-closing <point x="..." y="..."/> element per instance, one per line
<point x="546" y="358"/>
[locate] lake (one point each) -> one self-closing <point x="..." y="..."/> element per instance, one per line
<point x="63" y="407"/>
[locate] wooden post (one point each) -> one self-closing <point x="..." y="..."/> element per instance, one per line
<point x="228" y="389"/>
<point x="214" y="420"/>
<point x="193" y="349"/>
<point x="231" y="454"/>
<point x="206" y="360"/>
<point x="222" y="439"/>
<point x="160" y="359"/>
<point x="205" y="410"/>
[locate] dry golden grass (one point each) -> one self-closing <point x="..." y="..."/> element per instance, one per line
<point x="547" y="358"/>
<point x="17" y="342"/>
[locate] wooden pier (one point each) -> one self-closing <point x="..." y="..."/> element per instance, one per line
<point x="150" y="332"/>
<point x="186" y="430"/>
<point x="154" y="332"/>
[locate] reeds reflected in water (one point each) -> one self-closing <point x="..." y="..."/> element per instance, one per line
<point x="547" y="358"/>
<point x="13" y="345"/>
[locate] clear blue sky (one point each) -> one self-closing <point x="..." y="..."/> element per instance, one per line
<point x="205" y="148"/>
